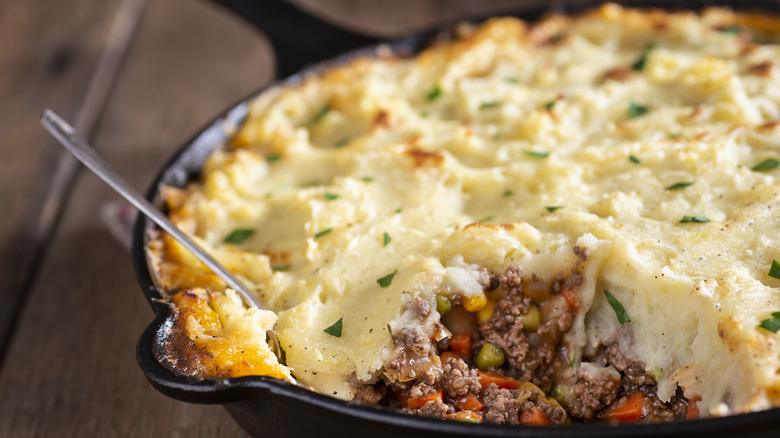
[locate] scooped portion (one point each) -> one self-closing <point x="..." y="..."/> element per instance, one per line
<point x="530" y="223"/>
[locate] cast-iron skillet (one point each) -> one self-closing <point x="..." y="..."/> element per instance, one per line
<point x="267" y="407"/>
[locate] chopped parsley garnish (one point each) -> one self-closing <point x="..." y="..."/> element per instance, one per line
<point x="772" y="324"/>
<point x="733" y="29"/>
<point x="320" y="114"/>
<point x="331" y="196"/>
<point x="620" y="311"/>
<point x="273" y="157"/>
<point x="239" y="235"/>
<point x="552" y="208"/>
<point x="639" y="65"/>
<point x="398" y="210"/>
<point x="635" y="110"/>
<point x="425" y="114"/>
<point x="323" y="232"/>
<point x="486" y="218"/>
<point x="386" y="239"/>
<point x="368" y="179"/>
<point x="697" y="219"/>
<point x="434" y="94"/>
<point x="335" y="329"/>
<point x="549" y="105"/>
<point x="281" y="268"/>
<point x="634" y="159"/>
<point x="768" y="164"/>
<point x="536" y="154"/>
<point x="774" y="270"/>
<point x="342" y="143"/>
<point x="387" y="279"/>
<point x="674" y="136"/>
<point x="511" y="80"/>
<point x="507" y="193"/>
<point x="491" y="104"/>
<point x="680" y="185"/>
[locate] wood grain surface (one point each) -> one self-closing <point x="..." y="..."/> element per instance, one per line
<point x="138" y="77"/>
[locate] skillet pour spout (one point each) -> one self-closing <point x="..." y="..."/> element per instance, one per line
<point x="269" y="407"/>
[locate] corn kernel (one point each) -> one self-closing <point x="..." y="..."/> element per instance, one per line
<point x="475" y="303"/>
<point x="484" y="314"/>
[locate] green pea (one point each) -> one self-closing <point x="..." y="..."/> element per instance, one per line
<point x="560" y="393"/>
<point x="443" y="304"/>
<point x="489" y="356"/>
<point x="532" y="318"/>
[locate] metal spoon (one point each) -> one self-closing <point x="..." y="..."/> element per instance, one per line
<point x="80" y="149"/>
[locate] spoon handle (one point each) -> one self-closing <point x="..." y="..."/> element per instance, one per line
<point x="80" y="149"/>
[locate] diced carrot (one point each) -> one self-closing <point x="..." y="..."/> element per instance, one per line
<point x="416" y="403"/>
<point x="570" y="298"/>
<point x="486" y="378"/>
<point x="693" y="410"/>
<point x="467" y="416"/>
<point x="626" y="409"/>
<point x="461" y="345"/>
<point x="447" y="355"/>
<point x="469" y="403"/>
<point x="533" y="417"/>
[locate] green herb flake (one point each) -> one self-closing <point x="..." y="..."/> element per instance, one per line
<point x="774" y="270"/>
<point x="695" y="219"/>
<point x="271" y="158"/>
<point x="511" y="80"/>
<point x="387" y="279"/>
<point x="320" y="114"/>
<point x="487" y="218"/>
<point x="368" y="179"/>
<point x="386" y="239"/>
<point x="398" y="210"/>
<point x="635" y="110"/>
<point x="772" y="324"/>
<point x="281" y="268"/>
<point x="620" y="311"/>
<point x="335" y="329"/>
<point x="434" y="94"/>
<point x="507" y="193"/>
<point x="342" y="143"/>
<point x="640" y="63"/>
<point x="331" y="196"/>
<point x="239" y="235"/>
<point x="733" y="29"/>
<point x="768" y="164"/>
<point x="487" y="105"/>
<point x="634" y="160"/>
<point x="549" y="105"/>
<point x="552" y="208"/>
<point x="680" y="185"/>
<point x="425" y="114"/>
<point x="536" y="154"/>
<point x="323" y="232"/>
<point x="674" y="136"/>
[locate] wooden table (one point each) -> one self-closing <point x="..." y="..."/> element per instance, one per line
<point x="137" y="78"/>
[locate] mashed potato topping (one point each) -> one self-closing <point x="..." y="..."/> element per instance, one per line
<point x="632" y="151"/>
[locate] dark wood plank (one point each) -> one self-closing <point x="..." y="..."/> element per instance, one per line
<point x="71" y="370"/>
<point x="49" y="55"/>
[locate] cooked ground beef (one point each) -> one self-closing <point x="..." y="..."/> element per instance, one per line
<point x="500" y="405"/>
<point x="592" y="393"/>
<point x="531" y="355"/>
<point x="458" y="379"/>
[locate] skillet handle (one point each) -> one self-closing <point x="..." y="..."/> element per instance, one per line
<point x="298" y="38"/>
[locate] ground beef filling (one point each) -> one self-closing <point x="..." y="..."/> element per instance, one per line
<point x="507" y="365"/>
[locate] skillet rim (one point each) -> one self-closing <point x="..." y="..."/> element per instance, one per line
<point x="183" y="166"/>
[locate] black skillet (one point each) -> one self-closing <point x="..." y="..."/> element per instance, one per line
<point x="266" y="407"/>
